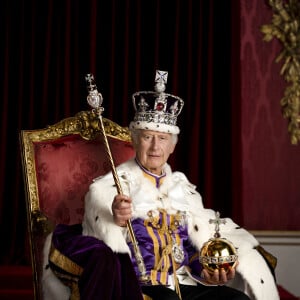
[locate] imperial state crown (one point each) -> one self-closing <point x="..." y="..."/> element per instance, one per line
<point x="156" y="110"/>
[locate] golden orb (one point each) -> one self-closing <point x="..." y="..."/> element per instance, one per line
<point x="218" y="253"/>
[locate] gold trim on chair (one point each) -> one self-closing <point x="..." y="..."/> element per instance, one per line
<point x="86" y="124"/>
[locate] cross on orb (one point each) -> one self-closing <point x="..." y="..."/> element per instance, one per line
<point x="217" y="222"/>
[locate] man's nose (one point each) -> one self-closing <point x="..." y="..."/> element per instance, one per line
<point x="154" y="143"/>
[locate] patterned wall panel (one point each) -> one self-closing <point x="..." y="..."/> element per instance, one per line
<point x="271" y="165"/>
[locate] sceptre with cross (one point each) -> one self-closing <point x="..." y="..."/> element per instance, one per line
<point x="95" y="100"/>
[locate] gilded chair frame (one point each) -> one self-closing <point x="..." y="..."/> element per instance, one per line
<point x="86" y="124"/>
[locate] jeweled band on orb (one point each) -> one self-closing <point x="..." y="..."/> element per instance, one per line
<point x="218" y="259"/>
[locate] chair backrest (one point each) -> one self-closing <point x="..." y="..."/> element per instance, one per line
<point x="59" y="163"/>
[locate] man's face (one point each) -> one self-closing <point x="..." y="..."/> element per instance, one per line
<point x="153" y="149"/>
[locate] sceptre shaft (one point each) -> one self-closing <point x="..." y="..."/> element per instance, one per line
<point x="95" y="100"/>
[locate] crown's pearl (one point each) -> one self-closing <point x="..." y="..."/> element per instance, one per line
<point x="160" y="87"/>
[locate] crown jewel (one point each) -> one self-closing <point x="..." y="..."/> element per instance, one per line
<point x="94" y="98"/>
<point x="157" y="110"/>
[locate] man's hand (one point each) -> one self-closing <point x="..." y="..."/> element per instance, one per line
<point x="219" y="277"/>
<point x="122" y="210"/>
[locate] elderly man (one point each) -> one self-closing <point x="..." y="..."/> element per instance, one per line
<point x="169" y="223"/>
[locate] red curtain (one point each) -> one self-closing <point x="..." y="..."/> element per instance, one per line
<point x="49" y="46"/>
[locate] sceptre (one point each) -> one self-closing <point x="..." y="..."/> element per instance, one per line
<point x="95" y="100"/>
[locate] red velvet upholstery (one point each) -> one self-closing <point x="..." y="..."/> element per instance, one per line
<point x="66" y="167"/>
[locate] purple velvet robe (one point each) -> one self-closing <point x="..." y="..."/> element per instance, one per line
<point x="106" y="275"/>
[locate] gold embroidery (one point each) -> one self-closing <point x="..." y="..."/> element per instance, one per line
<point x="153" y="276"/>
<point x="66" y="270"/>
<point x="164" y="242"/>
<point x="64" y="262"/>
<point x="166" y="258"/>
<point x="155" y="242"/>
